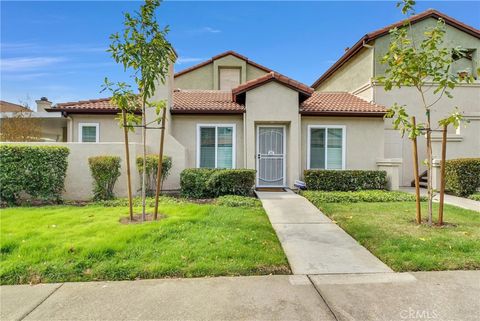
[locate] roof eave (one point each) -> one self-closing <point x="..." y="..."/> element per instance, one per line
<point x="174" y="111"/>
<point x="342" y="113"/>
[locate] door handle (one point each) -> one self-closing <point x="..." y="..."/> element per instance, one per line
<point x="258" y="156"/>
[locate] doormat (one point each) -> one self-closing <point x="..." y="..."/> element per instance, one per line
<point x="270" y="189"/>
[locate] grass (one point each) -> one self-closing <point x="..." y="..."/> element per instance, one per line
<point x="72" y="243"/>
<point x="475" y="196"/>
<point x="388" y="231"/>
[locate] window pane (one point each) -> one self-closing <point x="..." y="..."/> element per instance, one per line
<point x="207" y="147"/>
<point x="317" y="148"/>
<point x="334" y="152"/>
<point x="225" y="147"/>
<point x="89" y="134"/>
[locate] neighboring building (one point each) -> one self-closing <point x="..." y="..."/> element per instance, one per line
<point x="52" y="126"/>
<point x="355" y="70"/>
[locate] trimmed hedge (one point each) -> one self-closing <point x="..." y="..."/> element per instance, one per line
<point x="319" y="197"/>
<point x="462" y="176"/>
<point x="345" y="180"/>
<point x="38" y="171"/>
<point x="152" y="167"/>
<point x="207" y="182"/>
<point x="231" y="182"/>
<point x="105" y="172"/>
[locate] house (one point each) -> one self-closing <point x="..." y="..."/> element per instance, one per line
<point x="355" y="70"/>
<point x="51" y="125"/>
<point x="230" y="112"/>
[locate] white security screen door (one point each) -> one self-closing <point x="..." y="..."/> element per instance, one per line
<point x="271" y="156"/>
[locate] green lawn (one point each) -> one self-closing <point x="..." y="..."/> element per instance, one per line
<point x="69" y="243"/>
<point x="389" y="232"/>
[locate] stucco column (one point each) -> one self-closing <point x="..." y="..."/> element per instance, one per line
<point x="392" y="167"/>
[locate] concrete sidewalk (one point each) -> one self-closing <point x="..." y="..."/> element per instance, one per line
<point x="312" y="243"/>
<point x="449" y="199"/>
<point x="452" y="295"/>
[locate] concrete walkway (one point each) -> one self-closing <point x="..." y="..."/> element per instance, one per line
<point x="378" y="296"/>
<point x="312" y="242"/>
<point x="449" y="199"/>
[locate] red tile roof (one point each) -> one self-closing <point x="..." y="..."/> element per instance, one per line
<point x="92" y="104"/>
<point x="226" y="53"/>
<point x="431" y="13"/>
<point x="272" y="76"/>
<point x="339" y="103"/>
<point x="204" y="101"/>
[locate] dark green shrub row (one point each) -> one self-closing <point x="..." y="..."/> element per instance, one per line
<point x="238" y="201"/>
<point x="319" y="197"/>
<point x="38" y="171"/>
<point x="105" y="172"/>
<point x="206" y="182"/>
<point x="348" y="180"/>
<point x="151" y="172"/>
<point x="462" y="176"/>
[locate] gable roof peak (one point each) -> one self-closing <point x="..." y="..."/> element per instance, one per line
<point x="429" y="13"/>
<point x="221" y="55"/>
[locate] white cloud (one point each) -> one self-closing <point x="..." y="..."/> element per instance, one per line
<point x="27" y="63"/>
<point x="210" y="30"/>
<point x="15" y="47"/>
<point x="187" y="60"/>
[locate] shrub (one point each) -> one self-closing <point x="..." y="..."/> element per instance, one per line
<point x="238" y="201"/>
<point x="151" y="172"/>
<point x="38" y="171"/>
<point x="207" y="182"/>
<point x="462" y="176"/>
<point x="319" y="197"/>
<point x="105" y="172"/>
<point x="475" y="197"/>
<point x="345" y="180"/>
<point x="193" y="182"/>
<point x="232" y="182"/>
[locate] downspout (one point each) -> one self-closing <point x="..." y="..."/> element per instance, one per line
<point x="373" y="67"/>
<point x="245" y="138"/>
<point x="69" y="129"/>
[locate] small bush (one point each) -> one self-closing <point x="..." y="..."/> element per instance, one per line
<point x="207" y="182"/>
<point x="475" y="197"/>
<point x="462" y="176"/>
<point x="238" y="201"/>
<point x="105" y="172"/>
<point x="193" y="182"/>
<point x="151" y="172"/>
<point x="345" y="180"/>
<point x="318" y="197"/>
<point x="232" y="182"/>
<point x="38" y="171"/>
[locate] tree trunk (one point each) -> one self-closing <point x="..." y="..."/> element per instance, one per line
<point x="144" y="175"/>
<point x="160" y="164"/>
<point x="127" y="160"/>
<point x="442" y="175"/>
<point x="418" y="215"/>
<point x="429" y="170"/>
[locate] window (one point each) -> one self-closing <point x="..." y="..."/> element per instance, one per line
<point x="326" y="147"/>
<point x="216" y="146"/>
<point x="229" y="78"/>
<point x="88" y="132"/>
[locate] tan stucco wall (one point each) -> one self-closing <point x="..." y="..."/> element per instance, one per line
<point x="108" y="128"/>
<point x="206" y="77"/>
<point x="274" y="103"/>
<point x="354" y="74"/>
<point x="466" y="144"/>
<point x="184" y="130"/>
<point x="79" y="182"/>
<point x="364" y="139"/>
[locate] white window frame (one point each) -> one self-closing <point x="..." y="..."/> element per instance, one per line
<point x="216" y="126"/>
<point x="97" y="131"/>
<point x="326" y="127"/>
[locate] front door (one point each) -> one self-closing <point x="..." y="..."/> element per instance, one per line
<point x="271" y="156"/>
